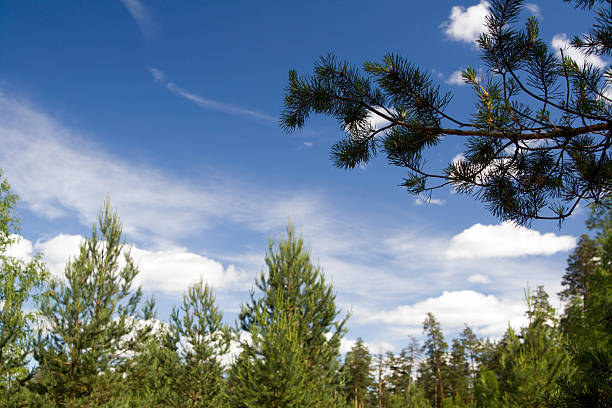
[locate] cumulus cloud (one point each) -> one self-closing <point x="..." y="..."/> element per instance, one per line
<point x="147" y="25"/>
<point x="487" y="314"/>
<point x="479" y="278"/>
<point x="506" y="240"/>
<point x="374" y="347"/>
<point x="205" y="103"/>
<point x="455" y="78"/>
<point x="561" y="42"/>
<point x="466" y="24"/>
<point x="169" y="271"/>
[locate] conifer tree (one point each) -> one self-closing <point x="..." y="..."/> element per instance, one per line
<point x="357" y="376"/>
<point x="581" y="263"/>
<point x="293" y="322"/>
<point x="458" y="374"/>
<point x="193" y="370"/>
<point x="531" y="360"/>
<point x="472" y="348"/>
<point x="271" y="370"/>
<point x="434" y="365"/>
<point x="20" y="282"/>
<point x="91" y="317"/>
<point x="400" y="377"/>
<point x="536" y="146"/>
<point x="587" y="319"/>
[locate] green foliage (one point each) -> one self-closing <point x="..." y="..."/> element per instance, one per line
<point x="194" y="371"/>
<point x="91" y="322"/>
<point x="356" y="372"/>
<point x="291" y="357"/>
<point x="20" y="282"/>
<point x="536" y="145"/>
<point x="529" y="361"/>
<point x="434" y="366"/>
<point x="588" y="319"/>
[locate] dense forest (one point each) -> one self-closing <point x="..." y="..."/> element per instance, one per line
<point x="90" y="338"/>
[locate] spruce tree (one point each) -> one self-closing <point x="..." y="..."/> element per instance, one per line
<point x="292" y="321"/>
<point x="91" y="317"/>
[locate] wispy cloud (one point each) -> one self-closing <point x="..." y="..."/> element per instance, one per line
<point x="41" y="156"/>
<point x="147" y="25"/>
<point x="206" y="103"/>
<point x="423" y="200"/>
<point x="534" y="9"/>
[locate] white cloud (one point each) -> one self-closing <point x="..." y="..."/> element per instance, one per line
<point x="57" y="172"/>
<point x="20" y="248"/>
<point x="158" y="75"/>
<point x="426" y="200"/>
<point x="147" y="25"/>
<point x="455" y="78"/>
<point x="533" y="9"/>
<point x="466" y="24"/>
<point x="487" y="314"/>
<point x="479" y="278"/>
<point x="506" y="240"/>
<point x="169" y="271"/>
<point x="376" y="121"/>
<point x="308" y="144"/>
<point x="205" y="103"/>
<point x="374" y="347"/>
<point x="459" y="157"/>
<point x="175" y="269"/>
<point x="561" y="42"/>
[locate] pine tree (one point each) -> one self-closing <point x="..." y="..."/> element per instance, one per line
<point x="434" y="365"/>
<point x="400" y="377"/>
<point x="357" y="376"/>
<point x="588" y="319"/>
<point x="194" y="371"/>
<point x="472" y="347"/>
<point x="295" y="301"/>
<point x="459" y="374"/>
<point x="530" y="362"/>
<point x="271" y="370"/>
<point x="580" y="265"/>
<point x="91" y="317"/>
<point x="536" y="146"/>
<point x="20" y="282"/>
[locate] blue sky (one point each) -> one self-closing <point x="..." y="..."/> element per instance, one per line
<point x="172" y="110"/>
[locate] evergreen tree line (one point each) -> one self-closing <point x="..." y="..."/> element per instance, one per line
<point x="90" y="339"/>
